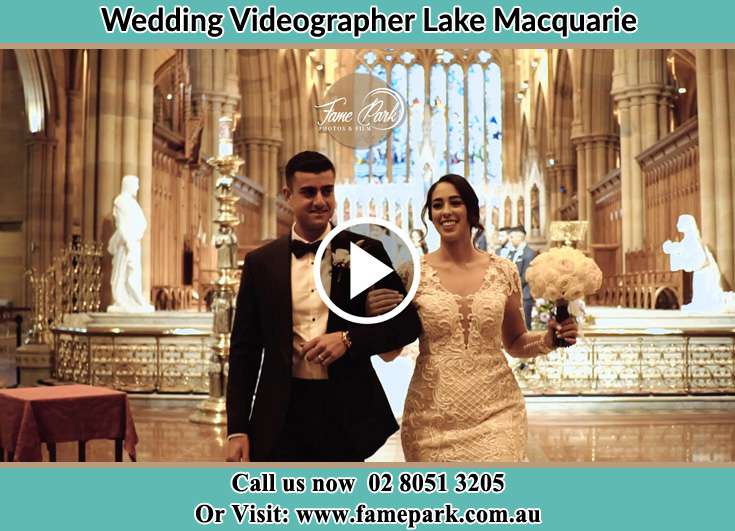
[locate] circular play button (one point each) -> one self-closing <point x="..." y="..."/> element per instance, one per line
<point x="362" y="259"/>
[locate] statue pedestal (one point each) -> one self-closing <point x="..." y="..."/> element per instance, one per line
<point x="34" y="362"/>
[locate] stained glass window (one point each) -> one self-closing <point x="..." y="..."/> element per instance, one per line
<point x="454" y="117"/>
<point x="453" y="124"/>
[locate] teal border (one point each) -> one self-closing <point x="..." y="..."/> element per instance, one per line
<point x="79" y="23"/>
<point x="164" y="498"/>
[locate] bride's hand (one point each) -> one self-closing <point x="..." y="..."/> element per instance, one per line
<point x="380" y="301"/>
<point x="568" y="330"/>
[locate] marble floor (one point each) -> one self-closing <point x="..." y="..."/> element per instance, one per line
<point x="560" y="430"/>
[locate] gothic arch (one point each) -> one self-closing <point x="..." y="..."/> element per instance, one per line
<point x="38" y="89"/>
<point x="595" y="83"/>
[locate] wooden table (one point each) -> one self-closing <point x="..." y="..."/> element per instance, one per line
<point x="32" y="416"/>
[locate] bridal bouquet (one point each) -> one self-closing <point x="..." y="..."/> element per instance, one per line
<point x="563" y="275"/>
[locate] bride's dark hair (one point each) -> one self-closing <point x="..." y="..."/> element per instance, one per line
<point x="469" y="198"/>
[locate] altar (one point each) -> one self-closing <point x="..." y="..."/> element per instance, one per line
<point x="639" y="352"/>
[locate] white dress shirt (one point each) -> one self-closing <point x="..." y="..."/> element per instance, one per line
<point x="518" y="252"/>
<point x="507" y="251"/>
<point x="309" y="313"/>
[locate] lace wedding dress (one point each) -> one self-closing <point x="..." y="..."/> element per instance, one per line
<point x="464" y="403"/>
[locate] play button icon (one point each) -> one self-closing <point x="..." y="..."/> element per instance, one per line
<point x="366" y="254"/>
<point x="365" y="270"/>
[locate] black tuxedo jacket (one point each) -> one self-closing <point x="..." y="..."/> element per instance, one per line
<point x="258" y="396"/>
<point x="522" y="261"/>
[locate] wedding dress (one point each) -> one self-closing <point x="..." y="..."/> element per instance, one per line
<point x="464" y="403"/>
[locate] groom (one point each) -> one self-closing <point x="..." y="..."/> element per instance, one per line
<point x="301" y="385"/>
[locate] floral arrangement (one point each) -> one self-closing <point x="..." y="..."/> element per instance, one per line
<point x="563" y="274"/>
<point x="341" y="258"/>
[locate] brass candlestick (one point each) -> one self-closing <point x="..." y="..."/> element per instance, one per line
<point x="213" y="410"/>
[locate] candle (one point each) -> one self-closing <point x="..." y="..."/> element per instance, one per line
<point x="225" y="136"/>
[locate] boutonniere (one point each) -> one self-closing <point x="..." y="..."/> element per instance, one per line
<point x="341" y="259"/>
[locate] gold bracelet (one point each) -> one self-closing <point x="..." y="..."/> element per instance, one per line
<point x="346" y="340"/>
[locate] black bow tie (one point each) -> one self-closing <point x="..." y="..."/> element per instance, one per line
<point x="299" y="248"/>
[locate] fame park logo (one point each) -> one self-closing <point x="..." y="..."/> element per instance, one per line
<point x="359" y="110"/>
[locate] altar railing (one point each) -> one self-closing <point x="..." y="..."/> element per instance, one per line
<point x="632" y="362"/>
<point x="70" y="285"/>
<point x="144" y="361"/>
<point x="615" y="362"/>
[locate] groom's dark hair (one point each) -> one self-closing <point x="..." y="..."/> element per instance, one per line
<point x="469" y="198"/>
<point x="308" y="162"/>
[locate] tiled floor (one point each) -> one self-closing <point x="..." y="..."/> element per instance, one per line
<point x="559" y="431"/>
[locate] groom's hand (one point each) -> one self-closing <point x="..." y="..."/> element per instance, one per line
<point x="238" y="449"/>
<point x="325" y="349"/>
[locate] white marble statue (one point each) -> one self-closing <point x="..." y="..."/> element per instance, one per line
<point x="692" y="255"/>
<point x="125" y="248"/>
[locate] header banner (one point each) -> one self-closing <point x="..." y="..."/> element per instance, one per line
<point x="324" y="23"/>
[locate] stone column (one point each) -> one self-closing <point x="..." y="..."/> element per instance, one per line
<point x="593" y="156"/>
<point x="582" y="193"/>
<point x="723" y="169"/>
<point x="275" y="179"/>
<point x="552" y="186"/>
<point x="706" y="146"/>
<point x="642" y="95"/>
<point x="636" y="220"/>
<point x="716" y="105"/>
<point x="90" y="145"/>
<point x="626" y="175"/>
<point x="40" y="168"/>
<point x="74" y="198"/>
<point x="108" y="161"/>
<point x="145" y="156"/>
<point x="131" y="110"/>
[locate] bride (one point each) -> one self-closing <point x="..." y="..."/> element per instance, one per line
<point x="463" y="402"/>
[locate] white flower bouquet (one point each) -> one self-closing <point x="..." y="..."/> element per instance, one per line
<point x="563" y="275"/>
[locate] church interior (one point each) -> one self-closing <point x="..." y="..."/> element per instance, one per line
<point x="607" y="147"/>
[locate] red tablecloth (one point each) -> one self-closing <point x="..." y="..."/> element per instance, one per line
<point x="34" y="415"/>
